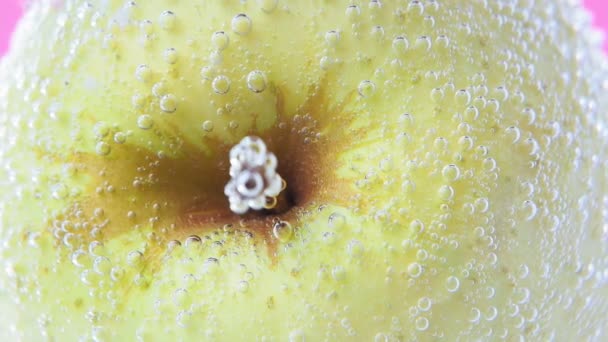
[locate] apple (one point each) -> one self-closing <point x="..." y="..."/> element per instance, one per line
<point x="439" y="171"/>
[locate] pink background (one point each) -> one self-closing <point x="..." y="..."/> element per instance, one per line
<point x="10" y="10"/>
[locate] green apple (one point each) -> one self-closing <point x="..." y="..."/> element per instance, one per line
<point x="444" y="166"/>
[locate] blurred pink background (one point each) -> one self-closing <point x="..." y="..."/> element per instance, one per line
<point x="10" y="10"/>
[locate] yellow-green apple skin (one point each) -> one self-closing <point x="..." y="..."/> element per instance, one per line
<point x="445" y="160"/>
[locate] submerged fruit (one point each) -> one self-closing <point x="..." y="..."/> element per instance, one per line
<point x="444" y="167"/>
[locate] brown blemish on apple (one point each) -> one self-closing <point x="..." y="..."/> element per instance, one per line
<point x="184" y="196"/>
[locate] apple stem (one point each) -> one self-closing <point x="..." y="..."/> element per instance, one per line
<point x="254" y="182"/>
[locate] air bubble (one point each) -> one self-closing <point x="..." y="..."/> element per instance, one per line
<point x="353" y="12"/>
<point x="220" y="40"/>
<point x="79" y="258"/>
<point x="221" y="84"/>
<point x="193" y="242"/>
<point x="416" y="226"/>
<point x="243" y="286"/>
<point x="168" y="103"/>
<point x="452" y="284"/>
<point x="135" y="258"/>
<point x="241" y="24"/>
<point x="423" y="43"/>
<point x="355" y="248"/>
<point x="102" y="148"/>
<point x="159" y="89"/>
<point x="145" y="121"/>
<point x="414" y="270"/>
<point x="338" y="273"/>
<point x="143" y="73"/>
<point x="463" y="97"/>
<point x="377" y="32"/>
<point x="102" y="265"/>
<point x="424" y="304"/>
<point x="120" y="137"/>
<point x="529" y="209"/>
<point x="336" y="221"/>
<point x="451" y="172"/>
<point x="101" y="129"/>
<point x="180" y="297"/>
<point x="208" y="126"/>
<point x="366" y="88"/>
<point x="256" y="81"/>
<point x="512" y="133"/>
<point x="167" y="20"/>
<point x="332" y="38"/>
<point x="446" y="192"/>
<point x="421" y="323"/>
<point x="400" y="44"/>
<point x="170" y="56"/>
<point x="268" y="6"/>
<point x="282" y="231"/>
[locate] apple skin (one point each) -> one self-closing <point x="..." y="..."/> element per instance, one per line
<point x="445" y="165"/>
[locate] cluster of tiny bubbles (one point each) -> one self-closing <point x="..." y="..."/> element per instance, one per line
<point x="221" y="84"/>
<point x="366" y="88"/>
<point x="241" y="24"/>
<point x="167" y="20"/>
<point x="282" y="230"/>
<point x="256" y="81"/>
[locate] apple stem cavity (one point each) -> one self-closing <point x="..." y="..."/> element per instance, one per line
<point x="254" y="182"/>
